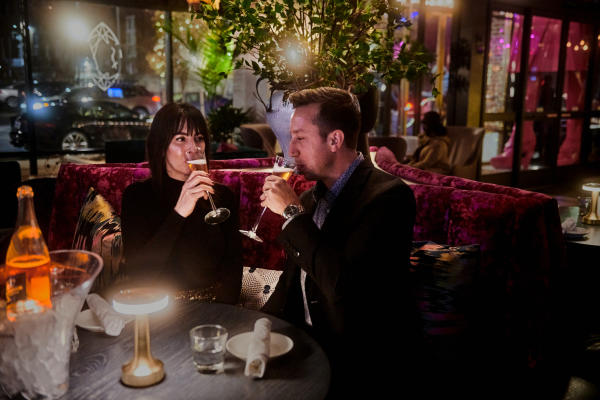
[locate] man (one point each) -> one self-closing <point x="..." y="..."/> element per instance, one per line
<point x="348" y="244"/>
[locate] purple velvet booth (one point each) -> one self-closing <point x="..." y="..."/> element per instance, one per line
<point x="521" y="246"/>
<point x="522" y="254"/>
<point x="110" y="180"/>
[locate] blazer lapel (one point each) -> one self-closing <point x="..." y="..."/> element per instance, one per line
<point x="345" y="205"/>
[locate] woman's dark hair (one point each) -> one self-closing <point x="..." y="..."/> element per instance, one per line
<point x="432" y="124"/>
<point x="167" y="122"/>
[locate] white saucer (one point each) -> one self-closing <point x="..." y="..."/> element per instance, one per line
<point x="576" y="232"/>
<point x="88" y="320"/>
<point x="280" y="345"/>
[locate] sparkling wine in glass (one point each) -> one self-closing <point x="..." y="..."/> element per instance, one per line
<point x="284" y="168"/>
<point x="196" y="160"/>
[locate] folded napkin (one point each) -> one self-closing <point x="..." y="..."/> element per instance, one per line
<point x="112" y="321"/>
<point x="258" y="349"/>
<point x="568" y="225"/>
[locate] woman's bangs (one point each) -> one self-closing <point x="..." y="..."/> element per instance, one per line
<point x="193" y="127"/>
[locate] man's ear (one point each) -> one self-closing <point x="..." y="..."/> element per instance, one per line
<point x="335" y="140"/>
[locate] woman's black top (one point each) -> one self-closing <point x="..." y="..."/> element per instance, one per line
<point x="161" y="246"/>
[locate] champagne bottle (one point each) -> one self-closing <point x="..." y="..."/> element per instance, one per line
<point x="27" y="262"/>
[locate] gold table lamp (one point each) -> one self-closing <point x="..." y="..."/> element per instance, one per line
<point x="143" y="370"/>
<point x="592" y="217"/>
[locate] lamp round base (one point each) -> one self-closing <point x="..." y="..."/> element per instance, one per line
<point x="136" y="375"/>
<point x="590" y="220"/>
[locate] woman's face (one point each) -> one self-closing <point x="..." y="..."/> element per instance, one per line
<point x="177" y="167"/>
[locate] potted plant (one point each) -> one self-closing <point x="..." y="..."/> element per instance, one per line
<point x="223" y="122"/>
<point x="207" y="53"/>
<point x="200" y="51"/>
<point x="298" y="44"/>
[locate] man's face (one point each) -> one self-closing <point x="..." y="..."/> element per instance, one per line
<point x="310" y="151"/>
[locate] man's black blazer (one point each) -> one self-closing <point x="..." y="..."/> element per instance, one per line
<point x="357" y="264"/>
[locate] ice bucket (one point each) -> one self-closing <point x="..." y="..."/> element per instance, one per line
<point x="35" y="347"/>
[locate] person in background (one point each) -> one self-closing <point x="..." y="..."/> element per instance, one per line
<point x="348" y="242"/>
<point x="166" y="241"/>
<point x="434" y="146"/>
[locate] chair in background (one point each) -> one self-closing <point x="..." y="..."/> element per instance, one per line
<point x="465" y="151"/>
<point x="259" y="136"/>
<point x="396" y="144"/>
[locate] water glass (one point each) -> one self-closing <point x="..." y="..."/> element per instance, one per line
<point x="584" y="205"/>
<point x="208" y="348"/>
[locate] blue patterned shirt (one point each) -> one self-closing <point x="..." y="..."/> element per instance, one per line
<point x="324" y="203"/>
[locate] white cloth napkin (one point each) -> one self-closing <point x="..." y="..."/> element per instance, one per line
<point x="111" y="321"/>
<point x="258" y="349"/>
<point x="568" y="225"/>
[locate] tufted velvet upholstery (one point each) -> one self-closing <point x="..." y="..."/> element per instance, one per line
<point x="522" y="248"/>
<point x="72" y="185"/>
<point x="518" y="231"/>
<point x="110" y="180"/>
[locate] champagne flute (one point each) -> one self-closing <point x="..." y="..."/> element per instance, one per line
<point x="284" y="168"/>
<point x="196" y="160"/>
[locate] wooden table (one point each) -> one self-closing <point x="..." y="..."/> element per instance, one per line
<point x="303" y="373"/>
<point x="590" y="242"/>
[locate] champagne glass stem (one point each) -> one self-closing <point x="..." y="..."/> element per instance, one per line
<point x="212" y="203"/>
<point x="255" y="227"/>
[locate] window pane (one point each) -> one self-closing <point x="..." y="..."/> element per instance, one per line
<point x="504" y="61"/>
<point x="438" y="29"/>
<point x="92" y="67"/>
<point x="594" y="155"/>
<point x="578" y="57"/>
<point x="543" y="64"/>
<point x="496" y="155"/>
<point x="539" y="137"/>
<point x="596" y="78"/>
<point x="570" y="141"/>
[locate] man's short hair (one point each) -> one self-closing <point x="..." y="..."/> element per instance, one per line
<point x="338" y="109"/>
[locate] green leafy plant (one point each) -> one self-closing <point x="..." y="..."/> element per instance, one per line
<point x="224" y="120"/>
<point x="207" y="53"/>
<point x="297" y="44"/>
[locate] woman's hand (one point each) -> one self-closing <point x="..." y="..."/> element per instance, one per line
<point x="196" y="186"/>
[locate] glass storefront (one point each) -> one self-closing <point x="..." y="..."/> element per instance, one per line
<point x="553" y="103"/>
<point x="94" y="80"/>
<point x="503" y="69"/>
<point x="409" y="101"/>
<point x="504" y="61"/>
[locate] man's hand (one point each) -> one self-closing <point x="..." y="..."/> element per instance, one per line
<point x="196" y="186"/>
<point x="277" y="194"/>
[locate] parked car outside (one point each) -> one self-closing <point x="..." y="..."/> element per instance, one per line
<point x="11" y="95"/>
<point x="136" y="98"/>
<point x="80" y="126"/>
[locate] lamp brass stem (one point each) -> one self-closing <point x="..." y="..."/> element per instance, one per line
<point x="592" y="217"/>
<point x="143" y="370"/>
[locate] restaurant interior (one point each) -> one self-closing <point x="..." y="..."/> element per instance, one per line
<point x="506" y="242"/>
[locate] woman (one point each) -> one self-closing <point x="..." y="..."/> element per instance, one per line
<point x="165" y="238"/>
<point x="434" y="146"/>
